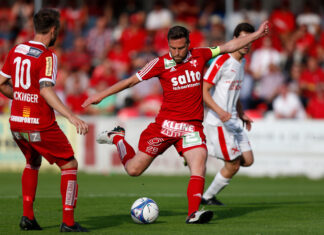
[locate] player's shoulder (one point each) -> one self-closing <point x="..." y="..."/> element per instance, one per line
<point x="222" y="59"/>
<point x="200" y="50"/>
<point x="32" y="49"/>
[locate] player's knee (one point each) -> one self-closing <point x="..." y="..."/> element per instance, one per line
<point x="35" y="162"/>
<point x="134" y="172"/>
<point x="73" y="163"/>
<point x="248" y="162"/>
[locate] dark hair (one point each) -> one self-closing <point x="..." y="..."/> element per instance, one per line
<point x="45" y="19"/>
<point x="243" y="27"/>
<point x="178" y="32"/>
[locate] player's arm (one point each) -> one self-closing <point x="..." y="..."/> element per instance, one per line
<point x="48" y="93"/>
<point x="6" y="86"/>
<point x="245" y="119"/>
<point x="119" y="86"/>
<point x="238" y="43"/>
<point x="209" y="101"/>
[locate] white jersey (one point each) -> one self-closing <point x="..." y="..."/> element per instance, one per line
<point x="226" y="140"/>
<point x="227" y="74"/>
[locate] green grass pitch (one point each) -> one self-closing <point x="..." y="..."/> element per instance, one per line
<point x="293" y="205"/>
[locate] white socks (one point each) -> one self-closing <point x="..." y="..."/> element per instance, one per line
<point x="216" y="186"/>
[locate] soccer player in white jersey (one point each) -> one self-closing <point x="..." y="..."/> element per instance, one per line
<point x="227" y="139"/>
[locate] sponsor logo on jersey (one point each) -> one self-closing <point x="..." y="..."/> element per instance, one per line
<point x="22" y="49"/>
<point x="176" y="129"/>
<point x="34" y="52"/>
<point x="235" y="85"/>
<point x="26" y="111"/>
<point x="24" y="119"/>
<point x="49" y="66"/>
<point x="21" y="96"/>
<point x="189" y="79"/>
<point x="169" y="63"/>
<point x="28" y="50"/>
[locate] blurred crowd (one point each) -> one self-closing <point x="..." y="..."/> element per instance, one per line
<point x="102" y="42"/>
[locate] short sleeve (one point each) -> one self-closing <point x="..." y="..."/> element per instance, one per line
<point x="151" y="69"/>
<point x="214" y="71"/>
<point x="48" y="67"/>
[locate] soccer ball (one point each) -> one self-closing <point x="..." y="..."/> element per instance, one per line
<point x="144" y="211"/>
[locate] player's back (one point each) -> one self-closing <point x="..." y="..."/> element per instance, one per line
<point x="28" y="64"/>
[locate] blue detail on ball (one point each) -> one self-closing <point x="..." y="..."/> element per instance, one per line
<point x="140" y="207"/>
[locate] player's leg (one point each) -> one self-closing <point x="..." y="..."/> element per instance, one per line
<point x="247" y="158"/>
<point x="224" y="146"/>
<point x="196" y="160"/>
<point x="138" y="164"/>
<point x="29" y="182"/>
<point x="55" y="147"/>
<point x="134" y="164"/>
<point x="220" y="181"/>
<point x="117" y="138"/>
<point x="69" y="192"/>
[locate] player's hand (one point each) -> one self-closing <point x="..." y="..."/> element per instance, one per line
<point x="81" y="127"/>
<point x="94" y="99"/>
<point x="224" y="116"/>
<point x="263" y="29"/>
<point x="247" y="122"/>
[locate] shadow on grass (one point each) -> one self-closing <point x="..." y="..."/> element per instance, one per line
<point x="100" y="222"/>
<point x="237" y="210"/>
<point x="226" y="212"/>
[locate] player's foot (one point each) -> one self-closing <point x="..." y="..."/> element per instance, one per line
<point x="200" y="217"/>
<point x="27" y="224"/>
<point x="106" y="137"/>
<point x="74" y="228"/>
<point x="211" y="201"/>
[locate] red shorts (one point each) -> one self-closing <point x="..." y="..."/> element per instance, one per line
<point x="52" y="144"/>
<point x="158" y="137"/>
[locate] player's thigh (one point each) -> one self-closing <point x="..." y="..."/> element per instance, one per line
<point x="222" y="143"/>
<point x="54" y="146"/>
<point x="152" y="142"/>
<point x="245" y="147"/>
<point x="138" y="164"/>
<point x="33" y="158"/>
<point x="196" y="160"/>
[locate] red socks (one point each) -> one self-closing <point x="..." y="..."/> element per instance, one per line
<point x="126" y="152"/>
<point x="29" y="185"/>
<point x="194" y="192"/>
<point x="69" y="191"/>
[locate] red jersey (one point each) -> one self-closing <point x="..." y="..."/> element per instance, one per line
<point x="27" y="65"/>
<point x="181" y="84"/>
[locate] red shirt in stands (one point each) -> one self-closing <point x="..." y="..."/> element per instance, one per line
<point x="28" y="64"/>
<point x="181" y="83"/>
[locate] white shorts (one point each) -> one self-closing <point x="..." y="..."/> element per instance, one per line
<point x="224" y="144"/>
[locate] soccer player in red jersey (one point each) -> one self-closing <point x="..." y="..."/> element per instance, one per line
<point x="28" y="77"/>
<point x="179" y="122"/>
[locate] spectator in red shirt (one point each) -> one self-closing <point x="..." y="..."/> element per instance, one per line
<point x="315" y="107"/>
<point x="283" y="21"/>
<point x="77" y="93"/>
<point x="104" y="73"/>
<point x="310" y="78"/>
<point x="133" y="37"/>
<point x="78" y="58"/>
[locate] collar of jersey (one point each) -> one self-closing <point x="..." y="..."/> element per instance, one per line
<point x="186" y="59"/>
<point x="39" y="43"/>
